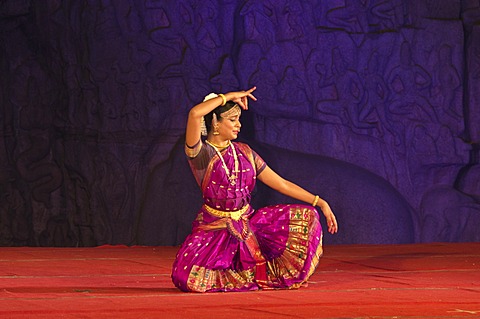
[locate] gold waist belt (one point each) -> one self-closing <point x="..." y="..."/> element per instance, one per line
<point x="234" y="214"/>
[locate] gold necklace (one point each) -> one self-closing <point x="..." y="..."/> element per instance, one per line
<point x="218" y="146"/>
<point x="231" y="178"/>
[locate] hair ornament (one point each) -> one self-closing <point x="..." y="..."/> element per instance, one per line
<point x="203" y="126"/>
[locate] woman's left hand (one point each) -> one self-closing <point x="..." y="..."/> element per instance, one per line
<point x="241" y="97"/>
<point x="330" y="217"/>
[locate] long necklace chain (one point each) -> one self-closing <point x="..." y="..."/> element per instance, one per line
<point x="231" y="177"/>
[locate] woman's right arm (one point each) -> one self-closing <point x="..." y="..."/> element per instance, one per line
<point x="194" y="122"/>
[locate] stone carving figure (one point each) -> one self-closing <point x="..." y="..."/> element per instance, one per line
<point x="389" y="14"/>
<point x="352" y="17"/>
<point x="372" y="113"/>
<point x="226" y="80"/>
<point x="291" y="89"/>
<point x="266" y="80"/>
<point x="206" y="32"/>
<point x="349" y="92"/>
<point x="447" y="81"/>
<point x="408" y="104"/>
<point x="258" y="23"/>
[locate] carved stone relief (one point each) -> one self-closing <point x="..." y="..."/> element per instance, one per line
<point x="94" y="98"/>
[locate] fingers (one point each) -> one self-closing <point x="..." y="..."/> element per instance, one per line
<point x="333" y="229"/>
<point x="332" y="224"/>
<point x="243" y="102"/>
<point x="243" y="96"/>
<point x="250" y="95"/>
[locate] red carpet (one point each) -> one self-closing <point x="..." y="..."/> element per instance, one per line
<point x="355" y="281"/>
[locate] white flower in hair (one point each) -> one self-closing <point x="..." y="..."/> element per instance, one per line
<point x="210" y="96"/>
<point x="203" y="126"/>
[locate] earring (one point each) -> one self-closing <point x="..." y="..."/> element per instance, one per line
<point x="215" y="130"/>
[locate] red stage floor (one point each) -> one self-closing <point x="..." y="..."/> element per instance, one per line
<point x="355" y="281"/>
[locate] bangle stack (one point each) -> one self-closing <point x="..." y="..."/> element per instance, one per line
<point x="315" y="201"/>
<point x="224" y="99"/>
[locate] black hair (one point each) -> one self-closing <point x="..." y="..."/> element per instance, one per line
<point x="218" y="111"/>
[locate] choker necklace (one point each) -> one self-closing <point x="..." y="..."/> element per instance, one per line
<point x="218" y="146"/>
<point x="232" y="178"/>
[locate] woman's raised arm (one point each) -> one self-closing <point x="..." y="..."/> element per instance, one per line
<point x="194" y="122"/>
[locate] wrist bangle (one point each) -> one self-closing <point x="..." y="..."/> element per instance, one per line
<point x="224" y="99"/>
<point x="315" y="201"/>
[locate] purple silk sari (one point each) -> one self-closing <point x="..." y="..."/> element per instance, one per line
<point x="272" y="247"/>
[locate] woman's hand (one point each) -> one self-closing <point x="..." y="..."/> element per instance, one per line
<point x="241" y="97"/>
<point x="330" y="217"/>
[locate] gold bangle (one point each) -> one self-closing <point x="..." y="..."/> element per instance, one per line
<point x="224" y="99"/>
<point x="315" y="201"/>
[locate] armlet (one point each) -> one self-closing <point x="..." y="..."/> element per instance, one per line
<point x="194" y="150"/>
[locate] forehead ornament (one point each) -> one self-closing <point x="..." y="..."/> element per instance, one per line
<point x="234" y="111"/>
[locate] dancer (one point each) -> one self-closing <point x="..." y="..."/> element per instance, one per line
<point x="233" y="246"/>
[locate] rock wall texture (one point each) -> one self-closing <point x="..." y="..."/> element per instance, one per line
<point x="375" y="105"/>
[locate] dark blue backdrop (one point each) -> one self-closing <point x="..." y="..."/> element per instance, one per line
<point x="372" y="104"/>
